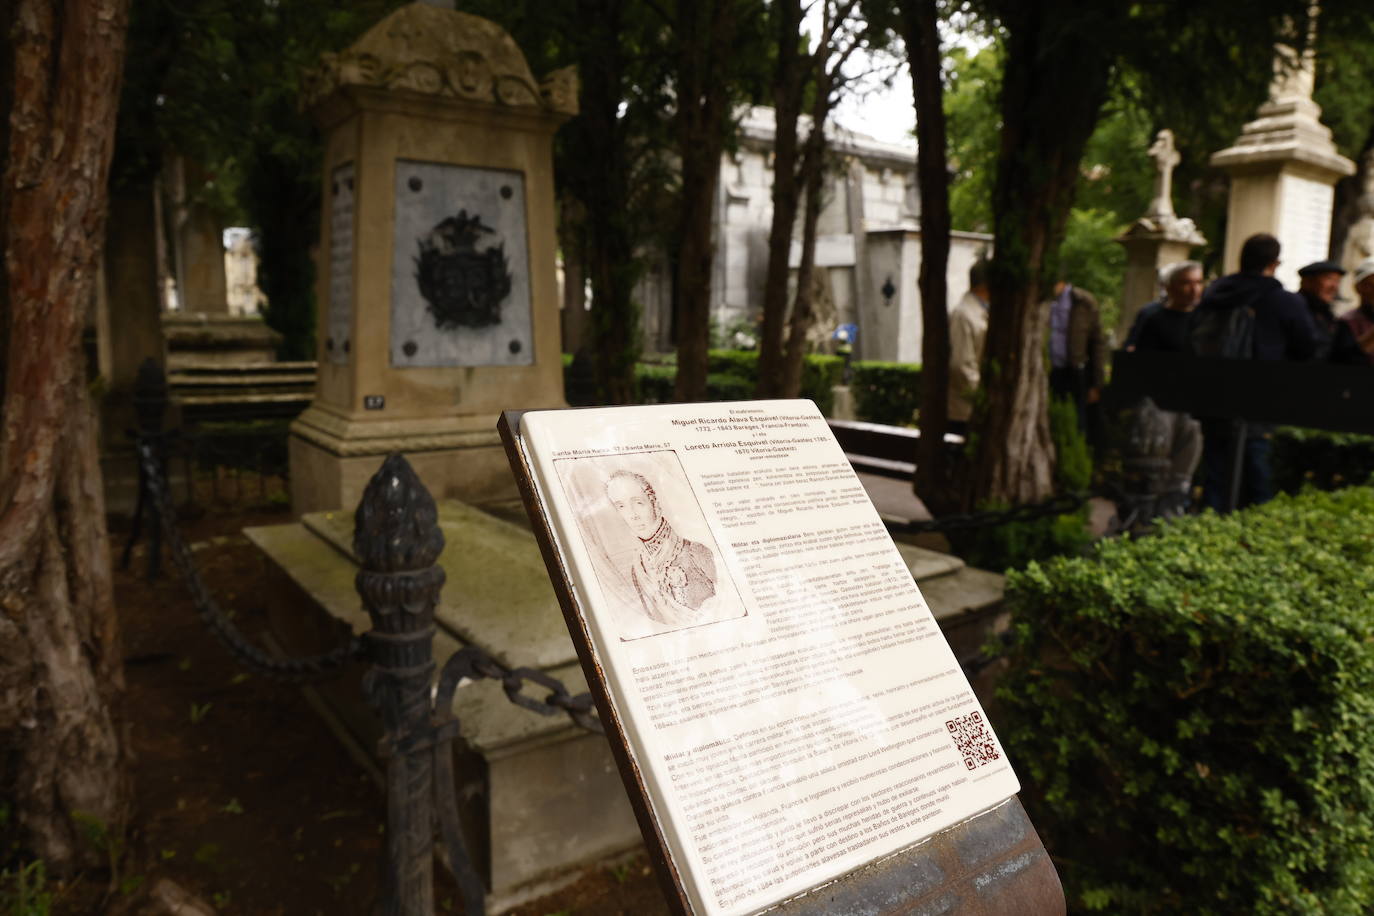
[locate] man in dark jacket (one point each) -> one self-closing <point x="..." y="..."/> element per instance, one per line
<point x="1281" y="329"/>
<point x="1358" y="324"/>
<point x="1321" y="280"/>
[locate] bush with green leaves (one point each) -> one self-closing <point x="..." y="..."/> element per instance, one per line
<point x="820" y="373"/>
<point x="1013" y="545"/>
<point x="731" y="376"/>
<point x="1325" y="460"/>
<point x="1190" y="714"/>
<point x="655" y="383"/>
<point x="886" y="392"/>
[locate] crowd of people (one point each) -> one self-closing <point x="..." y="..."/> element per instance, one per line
<point x="1244" y="315"/>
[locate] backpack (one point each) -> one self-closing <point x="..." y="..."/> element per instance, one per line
<point x="1227" y="333"/>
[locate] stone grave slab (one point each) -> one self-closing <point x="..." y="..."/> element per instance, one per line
<point x="544" y="796"/>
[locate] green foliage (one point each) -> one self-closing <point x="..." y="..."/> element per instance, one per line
<point x="1014" y="545"/>
<point x="1117" y="175"/>
<point x="1345" y="68"/>
<point x="1325" y="460"/>
<point x="1092" y="261"/>
<point x="1073" y="468"/>
<point x="973" y="85"/>
<point x="886" y="392"/>
<point x="743" y="363"/>
<point x="1189" y="713"/>
<point x="655" y="383"/>
<point x="820" y="375"/>
<point x="23" y="890"/>
<point x="731" y="376"/>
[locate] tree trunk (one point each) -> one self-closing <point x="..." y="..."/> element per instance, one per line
<point x="789" y="83"/>
<point x="813" y="174"/>
<point x="920" y="31"/>
<point x="1052" y="89"/>
<point x="611" y="263"/>
<point x="60" y="665"/>
<point x="705" y="34"/>
<point x="571" y="219"/>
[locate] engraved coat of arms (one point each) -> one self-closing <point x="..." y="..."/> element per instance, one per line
<point x="462" y="284"/>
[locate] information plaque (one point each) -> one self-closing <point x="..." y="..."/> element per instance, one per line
<point x="783" y="703"/>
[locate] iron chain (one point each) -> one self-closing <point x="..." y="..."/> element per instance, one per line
<point x="580" y="708"/>
<point x="295" y="670"/>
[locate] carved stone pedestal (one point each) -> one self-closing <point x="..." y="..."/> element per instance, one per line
<point x="439" y="306"/>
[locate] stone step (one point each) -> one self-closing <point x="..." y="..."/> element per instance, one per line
<point x="179" y="380"/>
<point x="191" y="368"/>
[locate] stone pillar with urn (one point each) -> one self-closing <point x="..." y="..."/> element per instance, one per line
<point x="1284" y="167"/>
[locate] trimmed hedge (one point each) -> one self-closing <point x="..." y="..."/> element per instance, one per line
<point x="732" y="375"/>
<point x="1191" y="714"/>
<point x="1324" y="460"/>
<point x="886" y="392"/>
<point x="820" y="373"/>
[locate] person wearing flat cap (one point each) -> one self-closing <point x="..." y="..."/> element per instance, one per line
<point x="1318" y="286"/>
<point x="1358" y="323"/>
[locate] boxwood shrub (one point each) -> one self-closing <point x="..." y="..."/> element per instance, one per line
<point x="1192" y="714"/>
<point x="886" y="392"/>
<point x="655" y="383"/>
<point x="1321" y="459"/>
<point x="731" y="376"/>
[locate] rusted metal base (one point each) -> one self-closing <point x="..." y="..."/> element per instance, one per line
<point x="991" y="864"/>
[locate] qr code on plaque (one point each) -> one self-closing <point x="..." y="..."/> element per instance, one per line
<point x="972" y="739"/>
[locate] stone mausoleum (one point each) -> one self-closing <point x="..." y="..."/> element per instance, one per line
<point x="868" y="246"/>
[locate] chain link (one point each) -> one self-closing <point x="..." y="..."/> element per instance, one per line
<point x="294" y="670"/>
<point x="473" y="662"/>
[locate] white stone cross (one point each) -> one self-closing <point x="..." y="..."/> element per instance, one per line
<point x="1166" y="158"/>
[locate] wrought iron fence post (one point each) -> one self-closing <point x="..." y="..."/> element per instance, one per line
<point x="397" y="541"/>
<point x="150" y="406"/>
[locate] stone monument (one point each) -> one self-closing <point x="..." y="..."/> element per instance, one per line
<point x="1283" y="168"/>
<point x="438" y="299"/>
<point x="1158" y="238"/>
<point x="1359" y="238"/>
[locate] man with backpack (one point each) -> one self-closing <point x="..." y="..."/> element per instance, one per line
<point x="1247" y="315"/>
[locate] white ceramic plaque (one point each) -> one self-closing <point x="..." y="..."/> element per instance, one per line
<point x="789" y="702"/>
<point x="460" y="289"/>
<point x="338" y="341"/>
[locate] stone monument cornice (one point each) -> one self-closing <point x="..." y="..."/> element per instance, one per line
<point x="427" y="51"/>
<point x="341" y="435"/>
<point x="1288" y="129"/>
<point x="1262" y="155"/>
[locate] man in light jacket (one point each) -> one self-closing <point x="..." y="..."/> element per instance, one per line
<point x="968" y="329"/>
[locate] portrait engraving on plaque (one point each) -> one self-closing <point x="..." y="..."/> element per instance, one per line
<point x="654" y="554"/>
<point x="460" y="290"/>
<point x="338" y="343"/>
